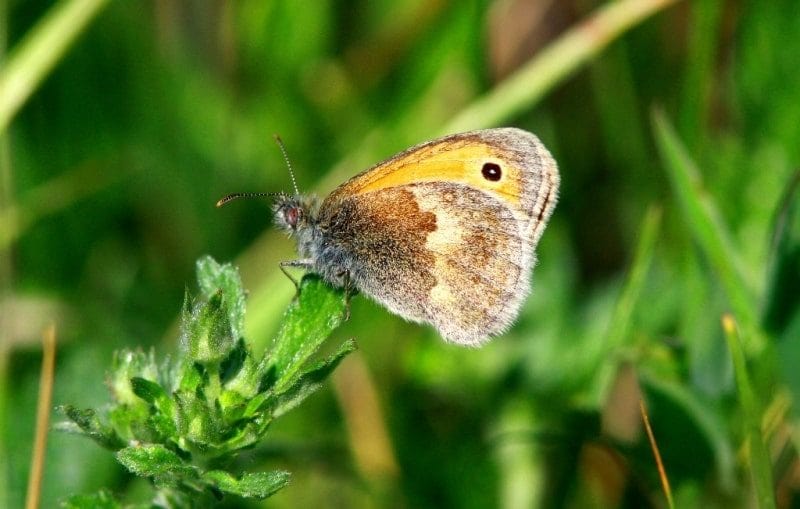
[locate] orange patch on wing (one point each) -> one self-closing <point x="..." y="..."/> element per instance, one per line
<point x="443" y="163"/>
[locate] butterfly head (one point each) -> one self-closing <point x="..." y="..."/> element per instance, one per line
<point x="294" y="213"/>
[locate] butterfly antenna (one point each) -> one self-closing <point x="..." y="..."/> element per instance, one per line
<point x="236" y="196"/>
<point x="279" y="141"/>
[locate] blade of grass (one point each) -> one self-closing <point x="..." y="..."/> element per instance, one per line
<point x="662" y="473"/>
<point x="760" y="465"/>
<point x="621" y="320"/>
<point x="615" y="95"/>
<point x="708" y="230"/>
<point x="709" y="423"/>
<point x="53" y="196"/>
<point x="699" y="74"/>
<point x="620" y="325"/>
<point x="520" y="465"/>
<point x="42" y="418"/>
<point x="40" y="51"/>
<point x="521" y="90"/>
<point x="4" y="462"/>
<point x="365" y="422"/>
<point x="6" y="272"/>
<point x="782" y="303"/>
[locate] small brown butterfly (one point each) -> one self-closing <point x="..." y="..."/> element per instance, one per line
<point x="442" y="233"/>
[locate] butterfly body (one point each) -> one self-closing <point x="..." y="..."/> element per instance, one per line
<point x="442" y="233"/>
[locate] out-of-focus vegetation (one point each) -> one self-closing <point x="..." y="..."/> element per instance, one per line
<point x="679" y="155"/>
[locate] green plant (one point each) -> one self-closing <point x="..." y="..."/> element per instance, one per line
<point x="180" y="422"/>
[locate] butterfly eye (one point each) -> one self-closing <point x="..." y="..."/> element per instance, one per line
<point x="292" y="216"/>
<point x="491" y="171"/>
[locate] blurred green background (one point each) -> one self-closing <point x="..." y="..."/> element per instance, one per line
<point x="679" y="149"/>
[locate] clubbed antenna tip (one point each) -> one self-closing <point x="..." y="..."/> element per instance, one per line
<point x="236" y="196"/>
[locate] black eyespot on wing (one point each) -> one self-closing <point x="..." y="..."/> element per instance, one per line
<point x="492" y="172"/>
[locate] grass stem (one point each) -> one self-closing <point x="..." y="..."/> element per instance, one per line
<point x="39" y="52"/>
<point x="42" y="417"/>
<point x="662" y="473"/>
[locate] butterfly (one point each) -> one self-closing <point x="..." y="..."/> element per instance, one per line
<point x="442" y="233"/>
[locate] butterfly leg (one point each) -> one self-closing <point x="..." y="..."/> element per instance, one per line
<point x="349" y="291"/>
<point x="305" y="263"/>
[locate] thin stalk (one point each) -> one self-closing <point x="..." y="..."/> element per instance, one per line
<point x="41" y="49"/>
<point x="42" y="417"/>
<point x="621" y="321"/>
<point x="6" y="273"/>
<point x="707" y="228"/>
<point x="760" y="464"/>
<point x="520" y="91"/>
<point x="662" y="472"/>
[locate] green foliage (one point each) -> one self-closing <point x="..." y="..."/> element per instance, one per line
<point x="703" y="218"/>
<point x="782" y="309"/>
<point x="175" y="423"/>
<point x="758" y="455"/>
<point x="100" y="500"/>
<point x="782" y="305"/>
<point x="676" y="135"/>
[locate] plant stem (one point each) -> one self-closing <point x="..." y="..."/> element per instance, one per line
<point x="662" y="473"/>
<point x="42" y="417"/>
<point x="707" y="228"/>
<point x="39" y="52"/>
<point x="560" y="59"/>
<point x="758" y="457"/>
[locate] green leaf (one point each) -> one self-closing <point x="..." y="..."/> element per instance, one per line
<point x="703" y="219"/>
<point x="40" y="50"/>
<point x="212" y="278"/>
<point x="212" y="327"/>
<point x="311" y="380"/>
<point x="162" y="413"/>
<point x="126" y="365"/>
<point x="233" y="364"/>
<point x="256" y="404"/>
<point x="240" y="373"/>
<point x="308" y="321"/>
<point x="782" y="298"/>
<point x="190" y="376"/>
<point x="206" y="331"/>
<point x="252" y="485"/>
<point x="788" y="353"/>
<point x="782" y="306"/>
<point x="88" y="424"/>
<point x="759" y="458"/>
<point x="198" y="422"/>
<point x="149" y="391"/>
<point x="216" y="398"/>
<point x="103" y="499"/>
<point x="135" y="423"/>
<point x="621" y="323"/>
<point x="156" y="461"/>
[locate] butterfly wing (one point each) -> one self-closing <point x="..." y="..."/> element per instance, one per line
<point x="435" y="237"/>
